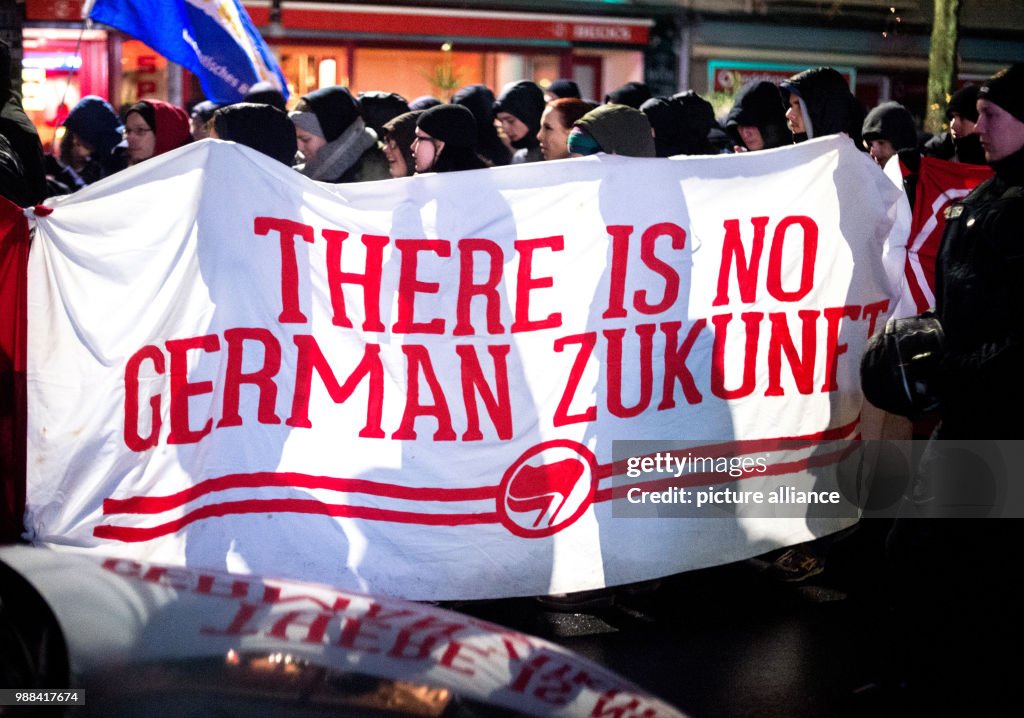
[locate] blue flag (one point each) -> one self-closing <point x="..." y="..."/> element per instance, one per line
<point x="214" y="39"/>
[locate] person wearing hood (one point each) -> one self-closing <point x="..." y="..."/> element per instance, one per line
<point x="890" y="131"/>
<point x="479" y="100"/>
<point x="92" y="133"/>
<point x="445" y="141"/>
<point x="757" y="120"/>
<point x="961" y="142"/>
<point x="333" y="138"/>
<point x="262" y="127"/>
<point x="681" y="124"/>
<point x="397" y="138"/>
<point x="518" y="110"/>
<point x="820" y="103"/>
<point x="613" y="129"/>
<point x="153" y="127"/>
<point x="25" y="148"/>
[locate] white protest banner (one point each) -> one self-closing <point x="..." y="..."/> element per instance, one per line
<point x="413" y="386"/>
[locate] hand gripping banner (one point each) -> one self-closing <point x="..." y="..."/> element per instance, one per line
<point x="417" y="386"/>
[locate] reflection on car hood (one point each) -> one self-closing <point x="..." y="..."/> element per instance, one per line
<point x="140" y="636"/>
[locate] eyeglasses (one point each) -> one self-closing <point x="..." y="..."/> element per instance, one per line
<point x="422" y="138"/>
<point x="138" y="132"/>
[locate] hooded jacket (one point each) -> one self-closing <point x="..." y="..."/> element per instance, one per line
<point x="831" y="107"/>
<point x="524" y="100"/>
<point x="619" y="130"/>
<point x="891" y="121"/>
<point x="170" y="124"/>
<point x="682" y="124"/>
<point x="759" y="104"/>
<point x="479" y="100"/>
<point x="351" y="153"/>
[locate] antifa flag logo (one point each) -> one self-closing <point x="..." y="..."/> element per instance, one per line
<point x="547" y="489"/>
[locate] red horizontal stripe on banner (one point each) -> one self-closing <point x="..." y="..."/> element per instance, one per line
<point x="131" y="534"/>
<point x="158" y="504"/>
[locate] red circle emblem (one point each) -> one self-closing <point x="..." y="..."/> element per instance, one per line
<point x="547" y="488"/>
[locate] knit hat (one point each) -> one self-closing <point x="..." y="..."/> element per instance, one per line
<point x="632" y="94"/>
<point x="334" y="107"/>
<point x="452" y="124"/>
<point x="94" y="120"/>
<point x="964" y="102"/>
<point x="266" y="93"/>
<point x="263" y="127"/>
<point x="564" y="88"/>
<point x="424" y="102"/>
<point x="1006" y="89"/>
<point x="379" y="107"/>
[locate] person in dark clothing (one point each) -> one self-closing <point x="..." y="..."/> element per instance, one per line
<point x="977" y="279"/>
<point x="397" y="138"/>
<point x="890" y="131"/>
<point x="757" y="120"/>
<point x="334" y="139"/>
<point x="518" y="109"/>
<point x="961" y="143"/>
<point x="445" y="140"/>
<point x="614" y="129"/>
<point x="958" y="607"/>
<point x="820" y="103"/>
<point x="479" y="100"/>
<point x="21" y="136"/>
<point x="262" y="127"/>
<point x="631" y="94"/>
<point x="681" y="124"/>
<point x="380" y="107"/>
<point x="89" y="148"/>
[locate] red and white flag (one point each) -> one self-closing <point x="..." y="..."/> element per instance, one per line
<point x="939" y="184"/>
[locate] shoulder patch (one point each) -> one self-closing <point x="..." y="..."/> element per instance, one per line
<point x="954" y="211"/>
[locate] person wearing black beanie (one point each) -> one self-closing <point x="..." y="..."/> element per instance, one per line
<point x="445" y="140"/>
<point x="262" y="127"/>
<point x="632" y="94"/>
<point x="479" y="100"/>
<point x="518" y="110"/>
<point x="757" y="120"/>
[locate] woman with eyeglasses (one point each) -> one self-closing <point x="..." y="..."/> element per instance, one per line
<point x="152" y="127"/>
<point x="445" y="141"/>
